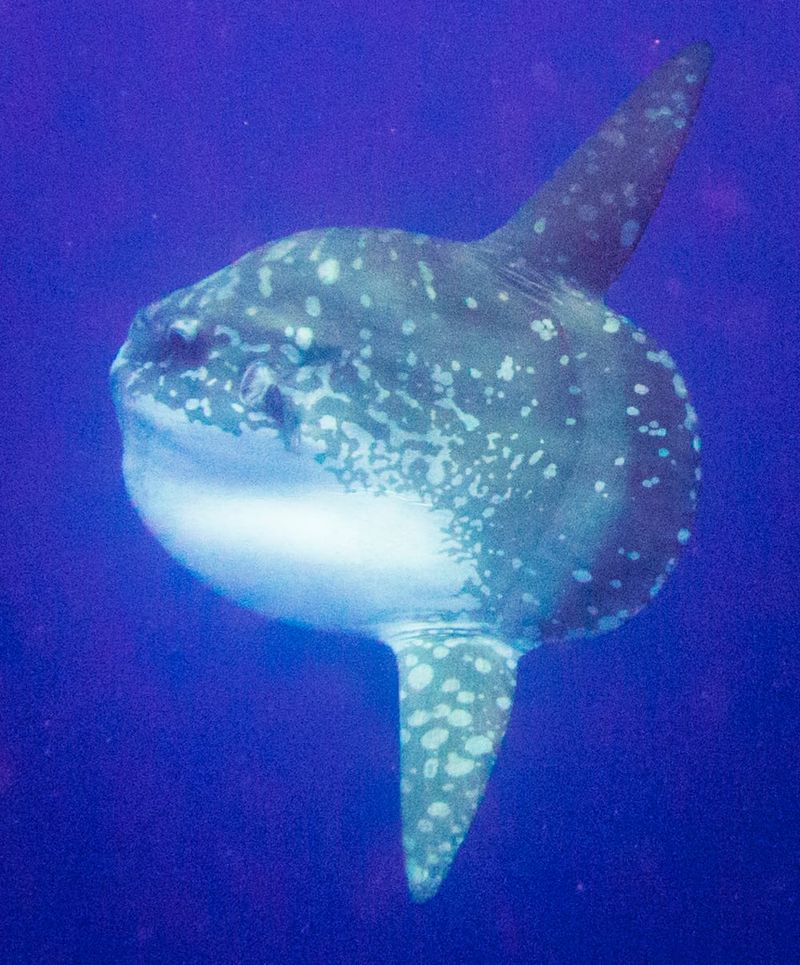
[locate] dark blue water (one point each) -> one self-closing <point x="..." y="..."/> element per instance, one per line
<point x="181" y="782"/>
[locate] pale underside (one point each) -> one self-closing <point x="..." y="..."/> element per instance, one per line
<point x="274" y="531"/>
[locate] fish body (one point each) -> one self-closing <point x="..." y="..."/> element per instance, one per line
<point x="454" y="447"/>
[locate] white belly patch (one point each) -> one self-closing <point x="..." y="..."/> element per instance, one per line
<point x="275" y="532"/>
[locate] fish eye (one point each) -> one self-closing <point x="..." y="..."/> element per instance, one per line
<point x="186" y="341"/>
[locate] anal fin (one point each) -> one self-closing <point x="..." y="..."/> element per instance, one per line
<point x="456" y="690"/>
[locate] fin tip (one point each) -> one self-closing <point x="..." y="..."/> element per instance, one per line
<point x="700" y="54"/>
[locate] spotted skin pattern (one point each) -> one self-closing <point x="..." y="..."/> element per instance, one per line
<point x="488" y="382"/>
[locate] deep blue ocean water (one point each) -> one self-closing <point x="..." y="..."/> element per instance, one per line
<point x="183" y="782"/>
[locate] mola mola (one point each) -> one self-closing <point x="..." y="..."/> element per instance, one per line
<point x="454" y="448"/>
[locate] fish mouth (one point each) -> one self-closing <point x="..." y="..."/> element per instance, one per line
<point x="147" y="422"/>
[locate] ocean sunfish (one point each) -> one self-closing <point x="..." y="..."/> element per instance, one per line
<point x="455" y="448"/>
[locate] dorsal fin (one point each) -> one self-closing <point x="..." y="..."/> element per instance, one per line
<point x="585" y="222"/>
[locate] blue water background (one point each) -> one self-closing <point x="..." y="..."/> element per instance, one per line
<point x="182" y="782"/>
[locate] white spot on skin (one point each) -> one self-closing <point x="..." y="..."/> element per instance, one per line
<point x="439" y="809"/>
<point x="408" y="327"/>
<point x="280" y="249"/>
<point x="582" y="576"/>
<point x="441" y="376"/>
<point x="436" y="474"/>
<point x="187" y="328"/>
<point x="265" y="280"/>
<point x="640" y="389"/>
<point x="230" y="333"/>
<point x="628" y="234"/>
<point x="549" y="472"/>
<point x="478" y="745"/>
<point x="470" y="302"/>
<point x="460" y="718"/>
<point x="313" y="307"/>
<point x="506" y="370"/>
<point x="433" y="739"/>
<point x="195" y="375"/>
<point x="458" y="766"/>
<point x="539" y="225"/>
<point x="482" y="665"/>
<point x="420" y="676"/>
<point x="614" y="136"/>
<point x="431" y="767"/>
<point x="653" y="113"/>
<point x="329" y="271"/>
<point x="425" y="272"/>
<point x="304" y="336"/>
<point x="544" y="328"/>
